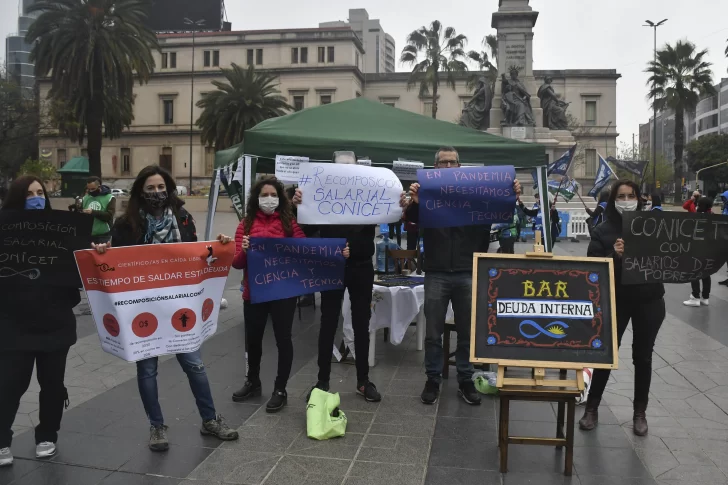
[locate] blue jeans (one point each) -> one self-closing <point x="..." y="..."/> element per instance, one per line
<point x="440" y="289"/>
<point x="194" y="368"/>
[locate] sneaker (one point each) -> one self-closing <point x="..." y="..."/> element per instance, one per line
<point x="277" y="401"/>
<point x="218" y="428"/>
<point x="430" y="393"/>
<point x="692" y="301"/>
<point x="249" y="389"/>
<point x="46" y="449"/>
<point x="6" y="457"/>
<point x="705" y="301"/>
<point x="469" y="394"/>
<point x="323" y="385"/>
<point x="158" y="438"/>
<point x="369" y="391"/>
<point x="724" y="282"/>
<point x="306" y="301"/>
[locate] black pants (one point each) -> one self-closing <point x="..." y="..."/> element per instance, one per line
<point x="17" y="370"/>
<point x="256" y="317"/>
<point x="507" y="245"/>
<point x="413" y="240"/>
<point x="395" y="230"/>
<point x="359" y="280"/>
<point x="647" y="318"/>
<point x="706" y="288"/>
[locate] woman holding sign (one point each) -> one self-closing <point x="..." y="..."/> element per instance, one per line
<point x="643" y="304"/>
<point x="155" y="216"/>
<point x="34" y="335"/>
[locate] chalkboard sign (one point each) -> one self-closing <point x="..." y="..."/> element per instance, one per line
<point x="555" y="312"/>
<point x="672" y="247"/>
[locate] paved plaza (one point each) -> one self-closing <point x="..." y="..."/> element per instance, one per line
<point x="396" y="442"/>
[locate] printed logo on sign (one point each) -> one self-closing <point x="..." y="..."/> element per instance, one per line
<point x="184" y="320"/>
<point x="104" y="267"/>
<point x="144" y="325"/>
<point x="207" y="307"/>
<point x="210" y="258"/>
<point x="94" y="205"/>
<point x="111" y="325"/>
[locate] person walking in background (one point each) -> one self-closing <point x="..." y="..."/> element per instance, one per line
<point x="643" y="304"/>
<point x="99" y="202"/>
<point x="691" y="204"/>
<point x="155" y="216"/>
<point x="38" y="327"/>
<point x="656" y="202"/>
<point x="705" y="206"/>
<point x="596" y="216"/>
<point x="537" y="216"/>
<point x="507" y="234"/>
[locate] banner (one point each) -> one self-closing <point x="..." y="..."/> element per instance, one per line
<point x="561" y="166"/>
<point x="38" y="245"/>
<point x="634" y="167"/>
<point x="281" y="268"/>
<point x="335" y="193"/>
<point x="288" y="168"/>
<point x="604" y="174"/>
<point x="155" y="299"/>
<point x="672" y="247"/>
<point x="566" y="189"/>
<point x="466" y="196"/>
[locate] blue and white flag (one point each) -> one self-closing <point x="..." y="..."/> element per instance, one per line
<point x="602" y="179"/>
<point x="561" y="166"/>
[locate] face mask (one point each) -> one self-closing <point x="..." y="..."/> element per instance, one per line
<point x="623" y="206"/>
<point x="155" y="200"/>
<point x="95" y="193"/>
<point x="648" y="205"/>
<point x="268" y="204"/>
<point x="35" y="203"/>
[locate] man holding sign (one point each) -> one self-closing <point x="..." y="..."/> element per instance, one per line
<point x="480" y="196"/>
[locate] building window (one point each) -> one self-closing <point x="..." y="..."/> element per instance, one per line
<point x="165" y="63"/>
<point x="61" y="156"/>
<point x="356" y="57"/>
<point x="84" y="152"/>
<point x="304" y="55"/>
<point x="389" y="103"/>
<point x="428" y="108"/>
<point x="325" y="99"/>
<point x="331" y="54"/>
<point x="322" y="54"/>
<point x="298" y="103"/>
<point x="294" y="55"/>
<point x="590" y="118"/>
<point x="209" y="159"/>
<point x="173" y="60"/>
<point x="590" y="163"/>
<point x="165" y="159"/>
<point x="125" y="161"/>
<point x="206" y="56"/>
<point x="250" y="57"/>
<point x="168" y="111"/>
<point x="258" y="57"/>
<point x="216" y="58"/>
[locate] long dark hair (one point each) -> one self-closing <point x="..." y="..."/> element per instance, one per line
<point x="611" y="209"/>
<point x="284" y="205"/>
<point x="656" y="200"/>
<point x="704" y="204"/>
<point x="136" y="205"/>
<point x="18" y="192"/>
<point x="603" y="196"/>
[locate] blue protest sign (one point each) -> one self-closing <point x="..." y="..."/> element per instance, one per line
<point x="466" y="196"/>
<point x="286" y="267"/>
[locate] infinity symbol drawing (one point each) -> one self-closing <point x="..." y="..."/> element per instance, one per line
<point x="554" y="329"/>
<point x="31" y="274"/>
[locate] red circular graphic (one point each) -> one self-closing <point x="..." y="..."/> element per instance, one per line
<point x="184" y="320"/>
<point x="144" y="325"/>
<point x="207" y="309"/>
<point x="111" y="325"/>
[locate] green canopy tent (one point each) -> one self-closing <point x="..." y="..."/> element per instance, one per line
<point x="73" y="177"/>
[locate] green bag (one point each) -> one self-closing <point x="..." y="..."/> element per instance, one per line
<point x="324" y="420"/>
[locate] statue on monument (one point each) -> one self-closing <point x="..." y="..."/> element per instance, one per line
<point x="554" y="109"/>
<point x="515" y="101"/>
<point x="476" y="114"/>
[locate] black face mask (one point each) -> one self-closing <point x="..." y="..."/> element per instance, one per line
<point x="155" y="200"/>
<point x="95" y="193"/>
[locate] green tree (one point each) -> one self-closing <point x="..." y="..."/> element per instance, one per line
<point x="18" y="128"/>
<point x="247" y="98"/>
<point x="487" y="61"/>
<point x="43" y="169"/>
<point x="665" y="172"/>
<point x="706" y="151"/>
<point x="93" y="51"/>
<point x="443" y="53"/>
<point x="678" y="79"/>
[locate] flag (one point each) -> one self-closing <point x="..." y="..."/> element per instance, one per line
<point x="634" y="167"/>
<point x="566" y="189"/>
<point x="561" y="166"/>
<point x="602" y="179"/>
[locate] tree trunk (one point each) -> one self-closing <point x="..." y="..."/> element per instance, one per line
<point x="679" y="148"/>
<point x="94" y="125"/>
<point x="435" y="84"/>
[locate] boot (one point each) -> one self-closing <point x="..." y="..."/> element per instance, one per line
<point x="640" y="418"/>
<point x="591" y="414"/>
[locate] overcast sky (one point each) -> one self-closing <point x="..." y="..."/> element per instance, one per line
<point x="569" y="34"/>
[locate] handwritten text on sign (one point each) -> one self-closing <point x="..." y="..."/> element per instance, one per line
<point x="672" y="247"/>
<point x="155" y="299"/>
<point x="288" y="168"/>
<point x="287" y="267"/>
<point x="348" y="194"/>
<point x="466" y="196"/>
<point x="36" y="247"/>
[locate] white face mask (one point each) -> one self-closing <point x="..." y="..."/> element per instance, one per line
<point x="268" y="204"/>
<point x="648" y="205"/>
<point x="623" y="206"/>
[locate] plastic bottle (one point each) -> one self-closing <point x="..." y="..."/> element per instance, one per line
<point x="381" y="252"/>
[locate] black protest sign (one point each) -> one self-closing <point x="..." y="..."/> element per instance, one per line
<point x="36" y="247"/>
<point x="549" y="312"/>
<point x="672" y="247"/>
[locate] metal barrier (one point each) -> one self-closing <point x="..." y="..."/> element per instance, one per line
<point x="578" y="226"/>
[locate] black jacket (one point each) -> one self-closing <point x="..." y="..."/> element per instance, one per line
<point x="360" y="239"/>
<point x="450" y="249"/>
<point x="602" y="246"/>
<point x="123" y="235"/>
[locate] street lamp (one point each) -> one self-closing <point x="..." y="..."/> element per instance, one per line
<point x="606" y="141"/>
<point x="195" y="25"/>
<point x="654" y="26"/>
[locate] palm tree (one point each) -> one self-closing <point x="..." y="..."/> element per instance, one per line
<point x="442" y="51"/>
<point x="487" y="61"/>
<point x="679" y="78"/>
<point x="92" y="51"/>
<point x="247" y="98"/>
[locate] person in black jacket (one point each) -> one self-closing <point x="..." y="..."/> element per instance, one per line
<point x="644" y="304"/>
<point x="535" y="213"/>
<point x="38" y="327"/>
<point x="448" y="278"/>
<point x="155" y="215"/>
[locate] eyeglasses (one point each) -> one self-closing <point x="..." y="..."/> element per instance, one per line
<point x="447" y="163"/>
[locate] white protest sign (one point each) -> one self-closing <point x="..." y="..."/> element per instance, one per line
<point x="287" y="168"/>
<point x="335" y="193"/>
<point x="407" y="170"/>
